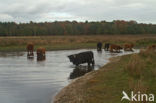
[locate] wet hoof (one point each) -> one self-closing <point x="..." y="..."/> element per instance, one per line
<point x="30" y="57"/>
<point x="99" y="51"/>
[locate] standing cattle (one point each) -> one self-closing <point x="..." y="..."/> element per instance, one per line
<point x="41" y="54"/>
<point x="107" y="46"/>
<point x="128" y="47"/>
<point x="115" y="48"/>
<point x="84" y="57"/>
<point x="30" y="50"/>
<point x="99" y="46"/>
<point x="151" y="47"/>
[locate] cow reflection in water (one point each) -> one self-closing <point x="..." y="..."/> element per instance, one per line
<point x="41" y="54"/>
<point x="30" y="58"/>
<point x="80" y="71"/>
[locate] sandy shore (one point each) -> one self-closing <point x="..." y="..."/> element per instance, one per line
<point x="73" y="90"/>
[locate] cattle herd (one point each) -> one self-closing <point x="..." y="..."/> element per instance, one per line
<point x="83" y="57"/>
<point x="40" y="52"/>
<point x="76" y="59"/>
<point x="116" y="48"/>
<point x="151" y="47"/>
<point x="88" y="57"/>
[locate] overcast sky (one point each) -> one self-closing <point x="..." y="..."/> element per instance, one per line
<point x="80" y="10"/>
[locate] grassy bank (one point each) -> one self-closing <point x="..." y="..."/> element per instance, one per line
<point x="72" y="42"/>
<point x="48" y="47"/>
<point x="136" y="72"/>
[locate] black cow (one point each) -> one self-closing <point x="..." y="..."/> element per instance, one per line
<point x="107" y="46"/>
<point x="84" y="57"/>
<point x="99" y="46"/>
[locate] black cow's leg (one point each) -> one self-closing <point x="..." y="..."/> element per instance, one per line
<point x="89" y="64"/>
<point x="28" y="54"/>
<point x="77" y="64"/>
<point x="97" y="49"/>
<point x="93" y="63"/>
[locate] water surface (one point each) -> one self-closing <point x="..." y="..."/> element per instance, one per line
<point x="27" y="81"/>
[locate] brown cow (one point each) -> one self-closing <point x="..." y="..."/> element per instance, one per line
<point x="128" y="47"/>
<point x="41" y="54"/>
<point x="151" y="47"/>
<point x="30" y="50"/>
<point x="115" y="48"/>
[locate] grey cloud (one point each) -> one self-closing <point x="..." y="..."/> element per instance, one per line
<point x="51" y="10"/>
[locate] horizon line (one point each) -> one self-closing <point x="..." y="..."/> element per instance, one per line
<point x="79" y="21"/>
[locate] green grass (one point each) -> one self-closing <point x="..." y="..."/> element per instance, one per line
<point x="135" y="72"/>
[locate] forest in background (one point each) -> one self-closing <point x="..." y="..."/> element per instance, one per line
<point x="75" y="28"/>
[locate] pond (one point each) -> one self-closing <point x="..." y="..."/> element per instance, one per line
<point x="25" y="80"/>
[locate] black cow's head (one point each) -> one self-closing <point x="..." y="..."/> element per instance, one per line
<point x="72" y="58"/>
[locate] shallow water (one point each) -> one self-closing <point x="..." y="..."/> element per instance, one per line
<point x="28" y="81"/>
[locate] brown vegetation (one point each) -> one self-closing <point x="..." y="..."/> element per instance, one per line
<point x="135" y="66"/>
<point x="72" y="42"/>
<point x="44" y="40"/>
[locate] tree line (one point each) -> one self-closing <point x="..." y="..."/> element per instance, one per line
<point x="75" y="28"/>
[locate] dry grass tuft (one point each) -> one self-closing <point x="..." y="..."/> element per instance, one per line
<point x="139" y="86"/>
<point x="93" y="81"/>
<point x="147" y="53"/>
<point x="135" y="66"/>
